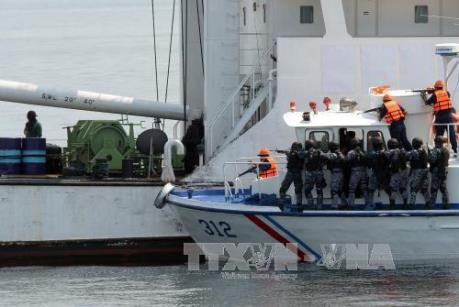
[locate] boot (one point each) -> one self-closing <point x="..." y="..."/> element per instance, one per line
<point x="405" y="204"/>
<point x="299" y="202"/>
<point x="445" y="204"/>
<point x="320" y="200"/>
<point x="392" y="204"/>
<point x="351" y="201"/>
<point x="427" y="206"/>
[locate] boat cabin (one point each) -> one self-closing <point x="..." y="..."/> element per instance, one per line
<point x="342" y="126"/>
<point x="338" y="126"/>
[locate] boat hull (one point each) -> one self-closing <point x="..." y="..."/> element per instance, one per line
<point x="413" y="237"/>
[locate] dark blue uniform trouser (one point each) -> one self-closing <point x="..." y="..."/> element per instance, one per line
<point x="398" y="131"/>
<point x="446" y="117"/>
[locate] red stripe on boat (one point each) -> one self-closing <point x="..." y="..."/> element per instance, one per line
<point x="277" y="236"/>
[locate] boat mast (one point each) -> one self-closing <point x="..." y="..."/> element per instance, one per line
<point x="192" y="57"/>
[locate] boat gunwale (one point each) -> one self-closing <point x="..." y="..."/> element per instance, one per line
<point x="216" y="208"/>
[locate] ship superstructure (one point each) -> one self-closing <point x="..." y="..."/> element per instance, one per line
<point x="304" y="51"/>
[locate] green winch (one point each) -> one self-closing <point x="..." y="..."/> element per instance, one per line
<point x="92" y="141"/>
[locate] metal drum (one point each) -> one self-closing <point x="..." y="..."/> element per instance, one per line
<point x="10" y="156"/>
<point x="34" y="156"/>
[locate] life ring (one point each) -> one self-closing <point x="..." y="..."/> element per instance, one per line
<point x="160" y="200"/>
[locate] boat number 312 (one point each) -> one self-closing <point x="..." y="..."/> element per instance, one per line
<point x="221" y="229"/>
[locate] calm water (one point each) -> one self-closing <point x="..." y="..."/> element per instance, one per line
<point x="107" y="46"/>
<point x="172" y="286"/>
<point x="98" y="45"/>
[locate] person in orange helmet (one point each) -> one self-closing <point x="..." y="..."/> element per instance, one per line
<point x="443" y="108"/>
<point x="266" y="169"/>
<point x="394" y="114"/>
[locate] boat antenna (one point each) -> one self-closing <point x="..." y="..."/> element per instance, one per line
<point x="157" y="120"/>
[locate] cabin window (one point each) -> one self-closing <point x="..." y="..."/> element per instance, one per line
<point x="306" y="14"/>
<point x="322" y="138"/>
<point x="371" y="135"/>
<point x="244" y="16"/>
<point x="421" y="14"/>
<point x="264" y="13"/>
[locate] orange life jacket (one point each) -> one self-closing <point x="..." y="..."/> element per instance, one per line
<point x="443" y="102"/>
<point x="394" y="112"/>
<point x="270" y="172"/>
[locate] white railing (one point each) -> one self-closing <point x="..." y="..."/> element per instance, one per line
<point x="238" y="188"/>
<point x="446" y="133"/>
<point x="259" y="77"/>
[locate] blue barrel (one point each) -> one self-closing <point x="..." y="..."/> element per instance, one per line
<point x="34" y="156"/>
<point x="10" y="156"/>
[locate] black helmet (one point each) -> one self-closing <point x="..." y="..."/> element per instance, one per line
<point x="417" y="143"/>
<point x="355" y="142"/>
<point x="377" y="143"/>
<point x="296" y="146"/>
<point x="393" y="144"/>
<point x="31" y="115"/>
<point x="317" y="145"/>
<point x="309" y="144"/>
<point x="438" y="141"/>
<point x="333" y="146"/>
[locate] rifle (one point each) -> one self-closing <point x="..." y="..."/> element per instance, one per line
<point x="372" y="110"/>
<point x="250" y="170"/>
<point x="281" y="151"/>
<point x="424" y="91"/>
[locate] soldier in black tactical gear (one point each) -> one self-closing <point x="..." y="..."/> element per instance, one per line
<point x="419" y="176"/>
<point x="397" y="166"/>
<point x="358" y="163"/>
<point x="295" y="162"/>
<point x="438" y="158"/>
<point x="314" y="161"/>
<point x="336" y="163"/>
<point x="379" y="176"/>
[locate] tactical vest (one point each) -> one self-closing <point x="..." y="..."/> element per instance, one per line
<point x="357" y="158"/>
<point x="313" y="161"/>
<point x="397" y="160"/>
<point x="335" y="161"/>
<point x="377" y="160"/>
<point x="418" y="159"/>
<point x="439" y="158"/>
<point x="294" y="162"/>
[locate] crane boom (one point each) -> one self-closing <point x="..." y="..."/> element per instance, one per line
<point x="26" y="93"/>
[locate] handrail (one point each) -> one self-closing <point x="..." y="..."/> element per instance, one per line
<point x="230" y="101"/>
<point x="237" y="91"/>
<point x="238" y="185"/>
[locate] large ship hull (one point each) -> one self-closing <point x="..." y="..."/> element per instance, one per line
<point x="69" y="222"/>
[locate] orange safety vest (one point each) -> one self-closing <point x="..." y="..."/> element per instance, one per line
<point x="270" y="172"/>
<point x="443" y="102"/>
<point x="394" y="112"/>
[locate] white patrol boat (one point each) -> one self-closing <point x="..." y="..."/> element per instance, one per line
<point x="250" y="211"/>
